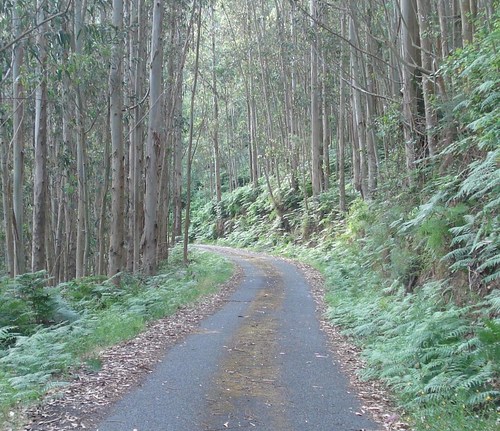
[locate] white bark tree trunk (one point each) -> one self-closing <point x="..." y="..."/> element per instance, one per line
<point x="40" y="180"/>
<point x="153" y="141"/>
<point x="116" y="249"/>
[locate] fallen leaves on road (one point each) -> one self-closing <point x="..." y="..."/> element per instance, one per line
<point x="82" y="403"/>
<point x="374" y="396"/>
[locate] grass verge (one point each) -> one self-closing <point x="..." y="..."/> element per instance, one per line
<point x="103" y="315"/>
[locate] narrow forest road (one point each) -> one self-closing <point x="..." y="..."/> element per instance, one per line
<point x="261" y="362"/>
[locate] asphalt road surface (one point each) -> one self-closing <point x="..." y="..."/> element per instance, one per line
<point x="260" y="363"/>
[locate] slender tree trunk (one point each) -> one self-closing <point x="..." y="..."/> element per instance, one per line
<point x="409" y="39"/>
<point x="69" y="199"/>
<point x="315" y="117"/>
<point x="138" y="48"/>
<point x="18" y="146"/>
<point x="426" y="25"/>
<point x="82" y="237"/>
<point x="369" y="78"/>
<point x="326" y="125"/>
<point x="443" y="27"/>
<point x="103" y="207"/>
<point x="153" y="141"/>
<point x="190" y="143"/>
<point x="466" y="16"/>
<point x="342" y="120"/>
<point x="6" y="195"/>
<point x="359" y="119"/>
<point x="217" y="158"/>
<point x="116" y="252"/>
<point x="40" y="181"/>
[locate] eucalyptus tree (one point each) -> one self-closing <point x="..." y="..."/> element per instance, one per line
<point x="40" y="186"/>
<point x="153" y="141"/>
<point x="191" y="148"/>
<point x="18" y="111"/>
<point x="116" y="250"/>
<point x="315" y="103"/>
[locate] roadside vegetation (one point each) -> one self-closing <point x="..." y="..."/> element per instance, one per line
<point x="47" y="331"/>
<point x="413" y="275"/>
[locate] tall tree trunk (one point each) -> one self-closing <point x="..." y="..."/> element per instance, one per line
<point x="153" y="141"/>
<point x="18" y="145"/>
<point x="369" y="78"/>
<point x="342" y="118"/>
<point x="6" y="195"/>
<point x="215" y="136"/>
<point x="443" y="27"/>
<point x="103" y="207"/>
<point x="426" y="53"/>
<point x="116" y="252"/>
<point x="409" y="39"/>
<point x="82" y="237"/>
<point x="466" y="16"/>
<point x="315" y="117"/>
<point x="40" y="179"/>
<point x="137" y="50"/>
<point x="359" y="120"/>
<point x="326" y="124"/>
<point x="190" y="142"/>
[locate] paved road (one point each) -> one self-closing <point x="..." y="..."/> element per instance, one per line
<point x="260" y="363"/>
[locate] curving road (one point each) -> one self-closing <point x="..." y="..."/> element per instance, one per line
<point x="260" y="363"/>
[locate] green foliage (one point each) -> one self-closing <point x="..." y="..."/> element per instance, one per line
<point x="380" y="264"/>
<point x="107" y="314"/>
<point x="27" y="303"/>
<point x="420" y="344"/>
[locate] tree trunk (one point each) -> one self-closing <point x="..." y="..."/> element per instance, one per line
<point x="6" y="196"/>
<point x="409" y="39"/>
<point x="116" y="252"/>
<point x="137" y="50"/>
<point x="103" y="207"/>
<point x="315" y="117"/>
<point x="342" y="120"/>
<point x="82" y="237"/>
<point x="369" y="77"/>
<point x="18" y="146"/>
<point x="326" y="125"/>
<point x="359" y="120"/>
<point x="466" y="16"/>
<point x="217" y="160"/>
<point x="426" y="25"/>
<point x="443" y="27"/>
<point x="153" y="141"/>
<point x="40" y="179"/>
<point x="190" y="142"/>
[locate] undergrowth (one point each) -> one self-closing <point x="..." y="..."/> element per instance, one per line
<point x="65" y="325"/>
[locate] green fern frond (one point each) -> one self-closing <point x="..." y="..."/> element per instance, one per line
<point x="493" y="277"/>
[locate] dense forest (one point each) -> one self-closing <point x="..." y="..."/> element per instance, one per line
<point x="364" y="133"/>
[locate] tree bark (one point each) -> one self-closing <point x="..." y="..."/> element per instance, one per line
<point x="426" y="50"/>
<point x="153" y="141"/>
<point x="116" y="249"/>
<point x="6" y="195"/>
<point x="82" y="237"/>
<point x="215" y="136"/>
<point x="190" y="142"/>
<point x="359" y="120"/>
<point x="466" y="17"/>
<point x="342" y="120"/>
<point x="315" y="117"/>
<point x="409" y="40"/>
<point x="40" y="179"/>
<point x="18" y="146"/>
<point x="137" y="50"/>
